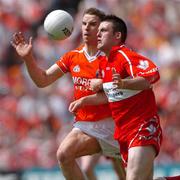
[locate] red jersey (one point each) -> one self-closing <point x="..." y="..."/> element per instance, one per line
<point x="173" y="178"/>
<point x="129" y="107"/>
<point x="83" y="68"/>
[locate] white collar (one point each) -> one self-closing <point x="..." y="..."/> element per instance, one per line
<point x="91" y="58"/>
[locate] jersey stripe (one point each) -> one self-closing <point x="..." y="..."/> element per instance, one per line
<point x="129" y="62"/>
<point x="64" y="65"/>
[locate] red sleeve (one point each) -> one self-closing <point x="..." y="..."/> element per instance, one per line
<point x="151" y="74"/>
<point x="137" y="65"/>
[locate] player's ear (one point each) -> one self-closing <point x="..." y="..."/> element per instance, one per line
<point x="118" y="35"/>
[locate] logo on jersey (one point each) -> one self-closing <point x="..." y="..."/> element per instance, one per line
<point x="81" y="83"/>
<point x="76" y="68"/>
<point x="143" y="64"/>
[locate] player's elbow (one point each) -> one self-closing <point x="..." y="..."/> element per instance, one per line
<point x="41" y="84"/>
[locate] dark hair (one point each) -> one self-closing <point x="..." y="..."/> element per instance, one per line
<point x="118" y="25"/>
<point x="96" y="12"/>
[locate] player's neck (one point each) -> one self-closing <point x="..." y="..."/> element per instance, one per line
<point x="91" y="50"/>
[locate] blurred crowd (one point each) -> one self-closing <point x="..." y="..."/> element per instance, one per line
<point x="33" y="121"/>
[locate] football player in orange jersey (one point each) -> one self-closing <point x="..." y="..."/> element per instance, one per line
<point x="93" y="127"/>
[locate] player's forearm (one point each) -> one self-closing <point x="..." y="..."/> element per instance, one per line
<point x="95" y="99"/>
<point x="96" y="84"/>
<point x="37" y="74"/>
<point x="138" y="83"/>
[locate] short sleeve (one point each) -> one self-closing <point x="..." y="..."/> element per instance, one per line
<point x="137" y="65"/>
<point x="64" y="62"/>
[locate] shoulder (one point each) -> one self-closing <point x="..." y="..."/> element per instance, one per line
<point x="126" y="52"/>
<point x="131" y="55"/>
<point x="71" y="54"/>
<point x="78" y="49"/>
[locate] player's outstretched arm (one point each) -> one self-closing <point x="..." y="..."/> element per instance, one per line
<point x="41" y="78"/>
<point x="95" y="99"/>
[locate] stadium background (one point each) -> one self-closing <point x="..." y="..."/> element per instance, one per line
<point x="33" y="121"/>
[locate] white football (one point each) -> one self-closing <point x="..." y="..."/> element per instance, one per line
<point x="58" y="24"/>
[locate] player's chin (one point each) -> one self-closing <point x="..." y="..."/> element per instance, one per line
<point x="86" y="38"/>
<point x="99" y="45"/>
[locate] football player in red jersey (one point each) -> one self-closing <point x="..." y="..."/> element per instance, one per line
<point x="93" y="127"/>
<point x="128" y="78"/>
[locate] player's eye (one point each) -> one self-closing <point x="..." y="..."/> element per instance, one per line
<point x="93" y="24"/>
<point x="101" y="30"/>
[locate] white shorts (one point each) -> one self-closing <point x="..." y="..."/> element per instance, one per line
<point x="103" y="131"/>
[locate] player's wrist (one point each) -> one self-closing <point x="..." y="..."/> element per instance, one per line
<point x="82" y="101"/>
<point x="123" y="84"/>
<point x="28" y="57"/>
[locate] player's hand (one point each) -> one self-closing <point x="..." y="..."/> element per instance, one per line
<point x="117" y="81"/>
<point x="23" y="48"/>
<point x="96" y="84"/>
<point x="75" y="105"/>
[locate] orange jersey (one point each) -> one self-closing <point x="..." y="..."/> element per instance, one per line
<point x="83" y="68"/>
